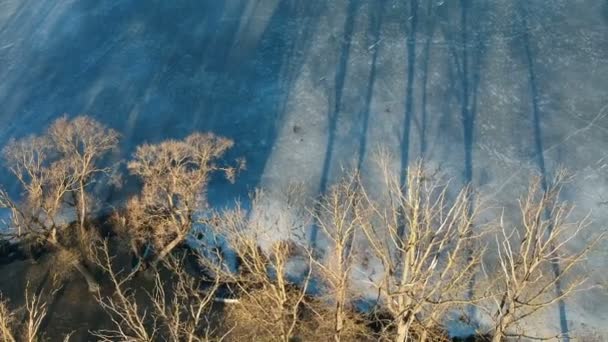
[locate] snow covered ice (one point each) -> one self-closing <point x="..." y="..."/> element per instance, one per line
<point x="491" y="91"/>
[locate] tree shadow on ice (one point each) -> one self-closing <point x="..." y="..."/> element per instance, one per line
<point x="335" y="99"/>
<point x="536" y="121"/>
<point x="466" y="34"/>
<point x="376" y="18"/>
<point x="411" y="42"/>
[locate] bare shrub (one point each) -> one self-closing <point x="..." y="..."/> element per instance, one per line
<point x="175" y="175"/>
<point x="535" y="259"/>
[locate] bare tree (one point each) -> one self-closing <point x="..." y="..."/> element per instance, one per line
<point x="82" y="142"/>
<point x="175" y="175"/>
<point x="55" y="170"/>
<point x="338" y="216"/>
<point x="180" y="313"/>
<point x="272" y="275"/>
<point x="536" y="260"/>
<point x="422" y="239"/>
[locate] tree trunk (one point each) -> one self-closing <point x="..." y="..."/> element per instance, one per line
<point x="424" y="335"/>
<point x="339" y="322"/>
<point x="501" y="328"/>
<point x="53" y="236"/>
<point x="78" y="265"/>
<point x="404" y="327"/>
<point x="91" y="282"/>
<point x="402" y="332"/>
<point x="167" y="249"/>
<point x="504" y="319"/>
<point x="82" y="208"/>
<point x="139" y="258"/>
<point x="428" y="326"/>
<point x="497" y="336"/>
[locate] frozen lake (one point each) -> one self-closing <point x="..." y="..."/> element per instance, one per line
<point x="490" y="90"/>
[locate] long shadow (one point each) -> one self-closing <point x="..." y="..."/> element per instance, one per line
<point x="426" y="57"/>
<point x="335" y="106"/>
<point x="467" y="115"/>
<point x="283" y="48"/>
<point x="339" y="85"/>
<point x="469" y="109"/>
<point x="467" y="60"/>
<point x="540" y="158"/>
<point x="409" y="90"/>
<point x="376" y="14"/>
<point x="409" y="105"/>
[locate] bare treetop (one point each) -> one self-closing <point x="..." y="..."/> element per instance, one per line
<point x="179" y="166"/>
<point x="82" y="137"/>
<point x="175" y="174"/>
<point x="82" y="142"/>
<point x="27" y="160"/>
<point x="55" y="171"/>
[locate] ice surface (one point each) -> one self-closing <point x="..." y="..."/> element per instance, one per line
<point x="490" y="90"/>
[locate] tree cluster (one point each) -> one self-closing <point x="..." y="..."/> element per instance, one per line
<point x="396" y="263"/>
